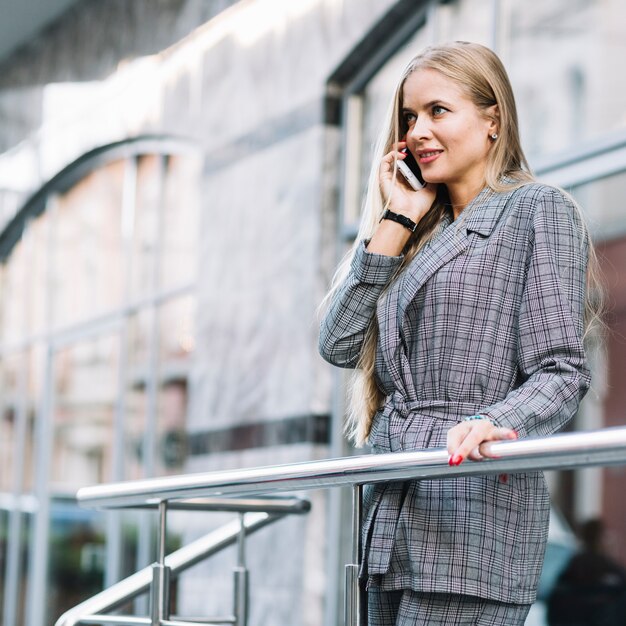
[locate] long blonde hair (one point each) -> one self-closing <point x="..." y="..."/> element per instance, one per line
<point x="482" y="77"/>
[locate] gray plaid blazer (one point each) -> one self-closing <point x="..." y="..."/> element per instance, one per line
<point x="488" y="317"/>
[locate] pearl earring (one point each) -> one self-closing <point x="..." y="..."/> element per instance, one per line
<point x="494" y="136"/>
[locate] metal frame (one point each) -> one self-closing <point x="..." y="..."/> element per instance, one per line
<point x="352" y="604"/>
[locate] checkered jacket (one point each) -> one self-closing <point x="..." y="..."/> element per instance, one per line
<point x="488" y="317"/>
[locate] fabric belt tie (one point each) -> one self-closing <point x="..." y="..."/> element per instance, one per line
<point x="435" y="409"/>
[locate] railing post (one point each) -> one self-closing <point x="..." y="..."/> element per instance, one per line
<point x="160" y="587"/>
<point x="353" y="600"/>
<point x="241" y="586"/>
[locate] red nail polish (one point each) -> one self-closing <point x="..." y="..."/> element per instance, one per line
<point x="457" y="459"/>
<point x="450" y="460"/>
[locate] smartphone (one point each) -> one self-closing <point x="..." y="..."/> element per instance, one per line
<point x="409" y="168"/>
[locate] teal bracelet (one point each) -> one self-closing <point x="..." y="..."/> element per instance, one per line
<point x="469" y="418"/>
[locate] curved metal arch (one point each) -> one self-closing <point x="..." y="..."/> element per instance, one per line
<point x="81" y="167"/>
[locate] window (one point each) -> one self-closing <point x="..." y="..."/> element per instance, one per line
<point x="96" y="341"/>
<point x="579" y="93"/>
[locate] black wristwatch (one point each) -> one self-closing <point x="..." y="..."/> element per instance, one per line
<point x="407" y="222"/>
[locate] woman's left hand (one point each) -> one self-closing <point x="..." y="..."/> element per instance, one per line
<point x="465" y="438"/>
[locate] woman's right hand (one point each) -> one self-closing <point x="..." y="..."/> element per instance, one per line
<point x="390" y="237"/>
<point x="402" y="198"/>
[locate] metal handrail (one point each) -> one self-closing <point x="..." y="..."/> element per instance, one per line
<point x="280" y="505"/>
<point x="563" y="451"/>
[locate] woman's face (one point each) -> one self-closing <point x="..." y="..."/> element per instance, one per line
<point x="448" y="135"/>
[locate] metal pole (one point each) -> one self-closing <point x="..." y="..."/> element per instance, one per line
<point x="39" y="544"/>
<point x="353" y="591"/>
<point x="160" y="588"/>
<point x="241" y="575"/>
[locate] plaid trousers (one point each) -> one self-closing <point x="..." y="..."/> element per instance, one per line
<point x="411" y="608"/>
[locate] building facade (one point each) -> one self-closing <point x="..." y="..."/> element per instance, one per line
<point x="178" y="180"/>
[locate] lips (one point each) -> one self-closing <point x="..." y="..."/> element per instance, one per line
<point x="426" y="156"/>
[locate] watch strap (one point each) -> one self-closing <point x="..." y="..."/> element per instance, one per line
<point x="405" y="221"/>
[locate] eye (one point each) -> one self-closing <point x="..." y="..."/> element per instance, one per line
<point x="438" y="110"/>
<point x="408" y="118"/>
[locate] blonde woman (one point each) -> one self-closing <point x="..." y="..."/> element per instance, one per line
<point x="463" y="307"/>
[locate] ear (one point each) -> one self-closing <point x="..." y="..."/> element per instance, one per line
<point x="493" y="115"/>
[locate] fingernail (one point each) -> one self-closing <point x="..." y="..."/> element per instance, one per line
<point x="456" y="460"/>
<point x="516" y="434"/>
<point x="450" y="460"/>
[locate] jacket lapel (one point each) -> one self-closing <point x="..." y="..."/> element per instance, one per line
<point x="392" y="309"/>
<point x="435" y="254"/>
<point x="481" y="217"/>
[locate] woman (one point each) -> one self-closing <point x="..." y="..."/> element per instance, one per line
<point x="463" y="307"/>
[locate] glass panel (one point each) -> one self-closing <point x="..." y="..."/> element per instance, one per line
<point x="15" y="442"/>
<point x="86" y="390"/>
<point x="469" y="20"/>
<point x="135" y="423"/>
<point x="77" y="556"/>
<point x="180" y="222"/>
<point x="12" y="312"/>
<point x="9" y="382"/>
<point x="171" y="433"/>
<point x="176" y="335"/>
<point x="34" y="389"/>
<point x="16" y="470"/>
<point x="604" y="205"/>
<point x="135" y="420"/>
<point x="26" y="523"/>
<point x="145" y="238"/>
<point x="85" y="397"/>
<point x="176" y="345"/>
<point x="580" y="92"/>
<point x="87" y="256"/>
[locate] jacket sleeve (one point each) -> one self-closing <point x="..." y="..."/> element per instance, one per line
<point x="345" y="323"/>
<point x="552" y="370"/>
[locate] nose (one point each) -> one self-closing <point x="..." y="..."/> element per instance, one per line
<point x="420" y="129"/>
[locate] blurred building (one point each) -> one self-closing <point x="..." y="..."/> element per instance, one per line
<point x="178" y="179"/>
